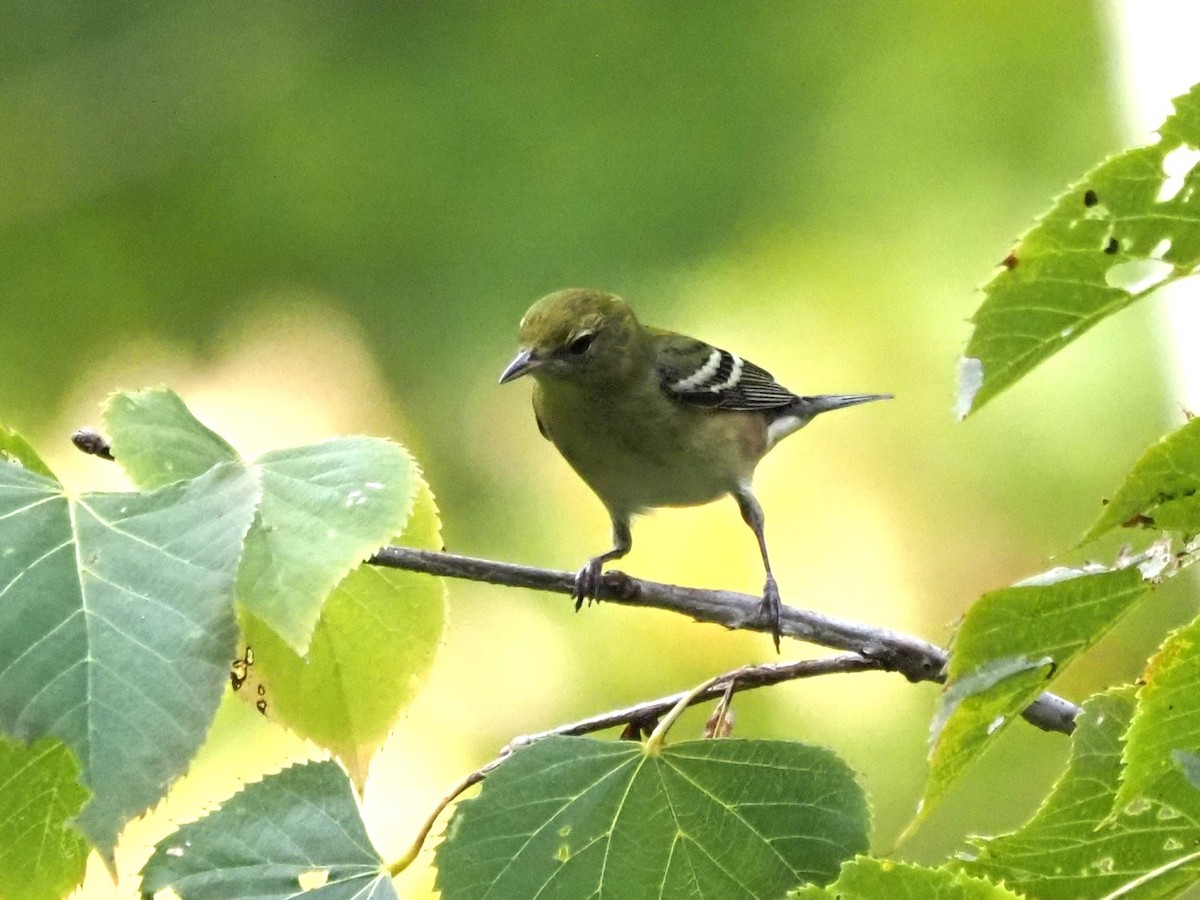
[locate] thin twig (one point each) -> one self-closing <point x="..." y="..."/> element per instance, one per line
<point x="744" y="679"/>
<point x="892" y="651"/>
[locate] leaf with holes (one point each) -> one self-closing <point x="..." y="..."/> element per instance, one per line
<point x="117" y="625"/>
<point x="1161" y="491"/>
<point x="325" y="507"/>
<point x="370" y="653"/>
<point x="299" y="830"/>
<point x="1131" y="225"/>
<point x="865" y="878"/>
<point x="41" y="856"/>
<point x="573" y="817"/>
<point x="1073" y="847"/>
<point x="1010" y="645"/>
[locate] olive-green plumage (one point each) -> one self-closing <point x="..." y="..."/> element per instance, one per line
<point x="651" y="418"/>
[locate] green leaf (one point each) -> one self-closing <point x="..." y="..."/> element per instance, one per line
<point x="1071" y="848"/>
<point x="1011" y="643"/>
<point x="298" y="829"/>
<point x="325" y="507"/>
<point x="1108" y="241"/>
<point x="40" y="855"/>
<point x="972" y="713"/>
<point x="573" y="817"/>
<point x="370" y="653"/>
<point x="157" y="440"/>
<point x="1167" y="720"/>
<point x="16" y="450"/>
<point x="117" y="626"/>
<point x="1161" y="491"/>
<point x="866" y="878"/>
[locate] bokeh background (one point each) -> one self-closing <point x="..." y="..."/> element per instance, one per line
<point x="322" y="218"/>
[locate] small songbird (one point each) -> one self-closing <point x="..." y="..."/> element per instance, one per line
<point x="651" y="418"/>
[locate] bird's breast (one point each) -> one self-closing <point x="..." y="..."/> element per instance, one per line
<point x="638" y="450"/>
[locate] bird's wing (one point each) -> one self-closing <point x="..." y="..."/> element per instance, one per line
<point x="698" y="373"/>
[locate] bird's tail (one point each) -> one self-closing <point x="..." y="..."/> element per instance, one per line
<point x="803" y="410"/>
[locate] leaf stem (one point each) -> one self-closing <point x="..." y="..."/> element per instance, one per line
<point x="414" y="850"/>
<point x="654" y="743"/>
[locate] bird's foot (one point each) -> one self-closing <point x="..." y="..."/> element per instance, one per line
<point x="587" y="582"/>
<point x="771" y="609"/>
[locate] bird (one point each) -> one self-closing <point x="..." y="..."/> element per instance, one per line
<point x="649" y="418"/>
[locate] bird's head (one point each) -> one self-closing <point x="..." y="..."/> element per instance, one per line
<point x="577" y="335"/>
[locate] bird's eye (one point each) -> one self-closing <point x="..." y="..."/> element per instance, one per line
<point x="580" y="345"/>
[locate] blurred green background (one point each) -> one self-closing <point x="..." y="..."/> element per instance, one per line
<point x="328" y="218"/>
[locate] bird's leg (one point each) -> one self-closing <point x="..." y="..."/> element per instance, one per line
<point x="771" y="608"/>
<point x="587" y="579"/>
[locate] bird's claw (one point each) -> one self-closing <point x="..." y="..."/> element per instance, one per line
<point x="771" y="609"/>
<point x="587" y="582"/>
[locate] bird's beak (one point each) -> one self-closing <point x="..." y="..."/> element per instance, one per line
<point x="523" y="363"/>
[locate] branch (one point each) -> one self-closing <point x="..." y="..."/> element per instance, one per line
<point x="641" y="716"/>
<point x="891" y="651"/>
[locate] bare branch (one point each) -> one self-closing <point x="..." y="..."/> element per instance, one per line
<point x="744" y="679"/>
<point x="891" y="651"/>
